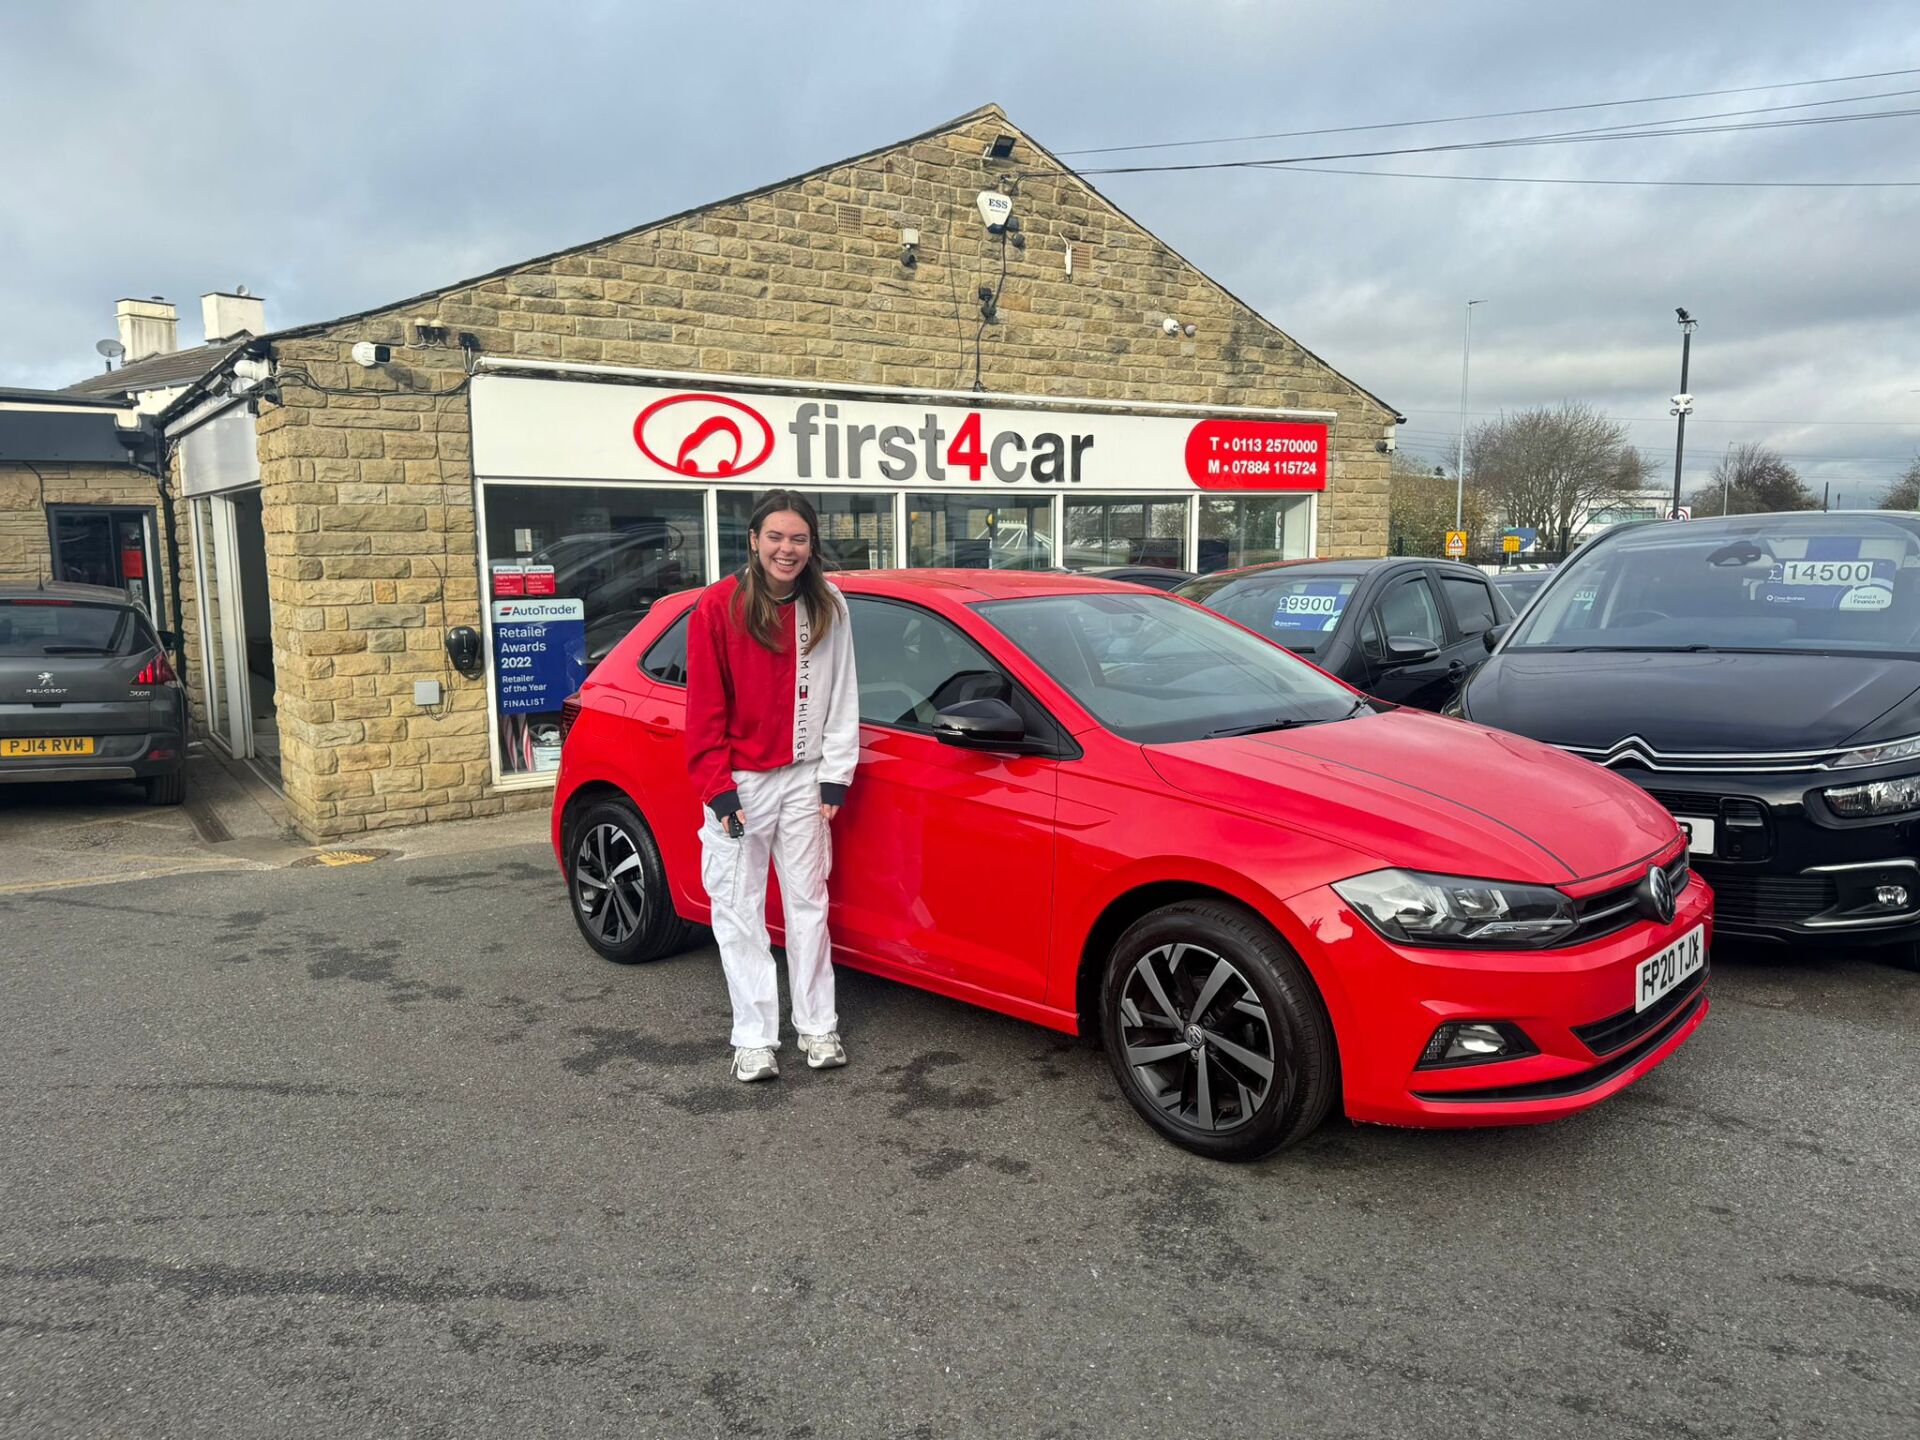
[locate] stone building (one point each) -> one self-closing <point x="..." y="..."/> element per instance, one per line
<point x="536" y="454"/>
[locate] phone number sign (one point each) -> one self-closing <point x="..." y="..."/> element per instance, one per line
<point x="539" y="652"/>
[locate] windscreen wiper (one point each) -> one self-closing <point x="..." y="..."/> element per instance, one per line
<point x="1264" y="726"/>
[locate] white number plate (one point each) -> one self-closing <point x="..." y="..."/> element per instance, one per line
<point x="1658" y="974"/>
<point x="1826" y="572"/>
<point x="1699" y="833"/>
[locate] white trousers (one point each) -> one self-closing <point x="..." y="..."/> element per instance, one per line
<point x="781" y="812"/>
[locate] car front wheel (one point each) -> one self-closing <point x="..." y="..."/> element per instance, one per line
<point x="1216" y="1032"/>
<point x="618" y="885"/>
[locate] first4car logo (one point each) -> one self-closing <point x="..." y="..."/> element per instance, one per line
<point x="704" y="436"/>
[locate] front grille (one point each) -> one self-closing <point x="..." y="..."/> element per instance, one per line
<point x="1583" y="1080"/>
<point x="1603" y="1037"/>
<point x="1759" y="902"/>
<point x="1616" y="909"/>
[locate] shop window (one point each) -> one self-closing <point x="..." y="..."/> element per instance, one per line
<point x="1127" y="532"/>
<point x="571" y="570"/>
<point x="1254" y="529"/>
<point x="856" y="529"/>
<point x="972" y="533"/>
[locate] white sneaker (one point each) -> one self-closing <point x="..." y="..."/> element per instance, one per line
<point x="752" y="1063"/>
<point x="823" y="1052"/>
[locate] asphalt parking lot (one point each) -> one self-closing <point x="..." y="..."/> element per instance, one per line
<point x="384" y="1150"/>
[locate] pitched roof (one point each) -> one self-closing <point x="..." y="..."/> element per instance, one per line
<point x="989" y="110"/>
<point x="160" y="372"/>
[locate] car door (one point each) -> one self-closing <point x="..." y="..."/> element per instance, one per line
<point x="1405" y="608"/>
<point x="943" y="857"/>
<point x="1476" y="607"/>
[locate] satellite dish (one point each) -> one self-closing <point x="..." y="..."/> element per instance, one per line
<point x="112" y="349"/>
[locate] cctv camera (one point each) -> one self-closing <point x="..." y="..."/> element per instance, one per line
<point x="369" y="354"/>
<point x="1170" y="325"/>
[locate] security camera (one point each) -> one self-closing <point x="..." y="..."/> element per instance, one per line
<point x="1170" y="325"/>
<point x="369" y="354"/>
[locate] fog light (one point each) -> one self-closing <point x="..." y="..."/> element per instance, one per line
<point x="1894" y="897"/>
<point x="1469" y="1042"/>
<point x="157" y="753"/>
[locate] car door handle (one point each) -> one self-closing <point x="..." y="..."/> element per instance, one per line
<point x="654" y="724"/>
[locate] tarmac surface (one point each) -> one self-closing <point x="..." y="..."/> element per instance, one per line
<point x="384" y="1150"/>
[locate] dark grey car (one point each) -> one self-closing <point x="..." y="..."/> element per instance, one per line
<point x="87" y="692"/>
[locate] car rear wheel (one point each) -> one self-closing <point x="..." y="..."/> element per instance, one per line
<point x="166" y="789"/>
<point x="1216" y="1032"/>
<point x="618" y="885"/>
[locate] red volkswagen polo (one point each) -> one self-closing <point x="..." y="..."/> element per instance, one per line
<point x="1101" y="808"/>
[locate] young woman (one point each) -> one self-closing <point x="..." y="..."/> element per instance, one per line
<point x="773" y="733"/>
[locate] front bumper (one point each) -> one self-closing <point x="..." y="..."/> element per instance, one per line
<point x="1575" y="1006"/>
<point x="1785" y="868"/>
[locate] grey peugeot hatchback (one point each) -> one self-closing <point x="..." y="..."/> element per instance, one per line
<point x="87" y="692"/>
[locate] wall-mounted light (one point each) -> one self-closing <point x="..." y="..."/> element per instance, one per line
<point x="909" y="248"/>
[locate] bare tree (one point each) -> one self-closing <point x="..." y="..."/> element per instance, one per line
<point x="1551" y="469"/>
<point x="1420" y="506"/>
<point x="1753" y="479"/>
<point x="1905" y="492"/>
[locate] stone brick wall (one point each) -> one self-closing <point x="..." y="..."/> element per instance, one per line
<point x="26" y="550"/>
<point x="369" y="497"/>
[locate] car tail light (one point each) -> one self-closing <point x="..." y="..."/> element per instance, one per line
<point x="157" y="672"/>
<point x="569" y="712"/>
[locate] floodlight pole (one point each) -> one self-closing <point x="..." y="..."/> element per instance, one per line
<point x="1682" y="402"/>
<point x="1460" y="462"/>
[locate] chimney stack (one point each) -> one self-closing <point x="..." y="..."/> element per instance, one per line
<point x="147" y="327"/>
<point x="228" y="315"/>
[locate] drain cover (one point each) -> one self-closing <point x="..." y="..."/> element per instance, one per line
<point x="342" y="857"/>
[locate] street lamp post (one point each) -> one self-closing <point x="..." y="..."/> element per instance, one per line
<point x="1683" y="402"/>
<point x="1460" y="461"/>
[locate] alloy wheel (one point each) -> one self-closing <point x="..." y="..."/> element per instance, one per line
<point x="1197" y="1037"/>
<point x="607" y="886"/>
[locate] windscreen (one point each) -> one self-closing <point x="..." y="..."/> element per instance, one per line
<point x="1817" y="582"/>
<point x="1298" y="611"/>
<point x="1156" y="671"/>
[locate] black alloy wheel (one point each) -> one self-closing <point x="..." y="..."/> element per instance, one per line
<point x="618" y="885"/>
<point x="1216" y="1032"/>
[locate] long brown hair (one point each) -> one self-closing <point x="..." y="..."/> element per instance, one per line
<point x="753" y="602"/>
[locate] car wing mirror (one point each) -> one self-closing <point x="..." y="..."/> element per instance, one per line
<point x="980" y="725"/>
<point x="1494" y="636"/>
<point x="1410" y="650"/>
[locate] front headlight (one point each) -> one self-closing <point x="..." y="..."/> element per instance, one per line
<point x="1880" y="754"/>
<point x="1417" y="909"/>
<point x="1876" y="797"/>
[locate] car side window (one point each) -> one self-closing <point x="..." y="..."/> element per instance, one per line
<point x="666" y="659"/>
<point x="1408" y="610"/>
<point x="1473" y="605"/>
<point x="912" y="664"/>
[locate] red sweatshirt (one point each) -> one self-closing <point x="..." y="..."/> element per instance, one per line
<point x="751" y="708"/>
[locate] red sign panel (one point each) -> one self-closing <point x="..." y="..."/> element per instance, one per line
<point x="133" y="564"/>
<point x="1257" y="455"/>
<point x="539" y="580"/>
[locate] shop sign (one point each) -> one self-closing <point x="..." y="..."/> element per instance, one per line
<point x="539" y="652"/>
<point x="583" y="430"/>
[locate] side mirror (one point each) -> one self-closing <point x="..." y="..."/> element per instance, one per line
<point x="1409" y="650"/>
<point x="1494" y="636"/>
<point x="979" y="725"/>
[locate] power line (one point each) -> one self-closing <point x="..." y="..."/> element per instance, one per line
<point x="1490" y="115"/>
<point x="1571" y="180"/>
<point x="1667" y="419"/>
<point x="1511" y="142"/>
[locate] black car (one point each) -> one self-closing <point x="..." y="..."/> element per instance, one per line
<point x="1408" y="631"/>
<point x="87" y="692"/>
<point x="1152" y="576"/>
<point x="1760" y="677"/>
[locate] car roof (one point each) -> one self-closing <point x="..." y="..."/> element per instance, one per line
<point x="65" y="590"/>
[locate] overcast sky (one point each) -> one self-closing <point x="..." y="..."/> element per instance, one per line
<point x="337" y="156"/>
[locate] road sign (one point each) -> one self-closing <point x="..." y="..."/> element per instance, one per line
<point x="1456" y="544"/>
<point x="1510" y="544"/>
